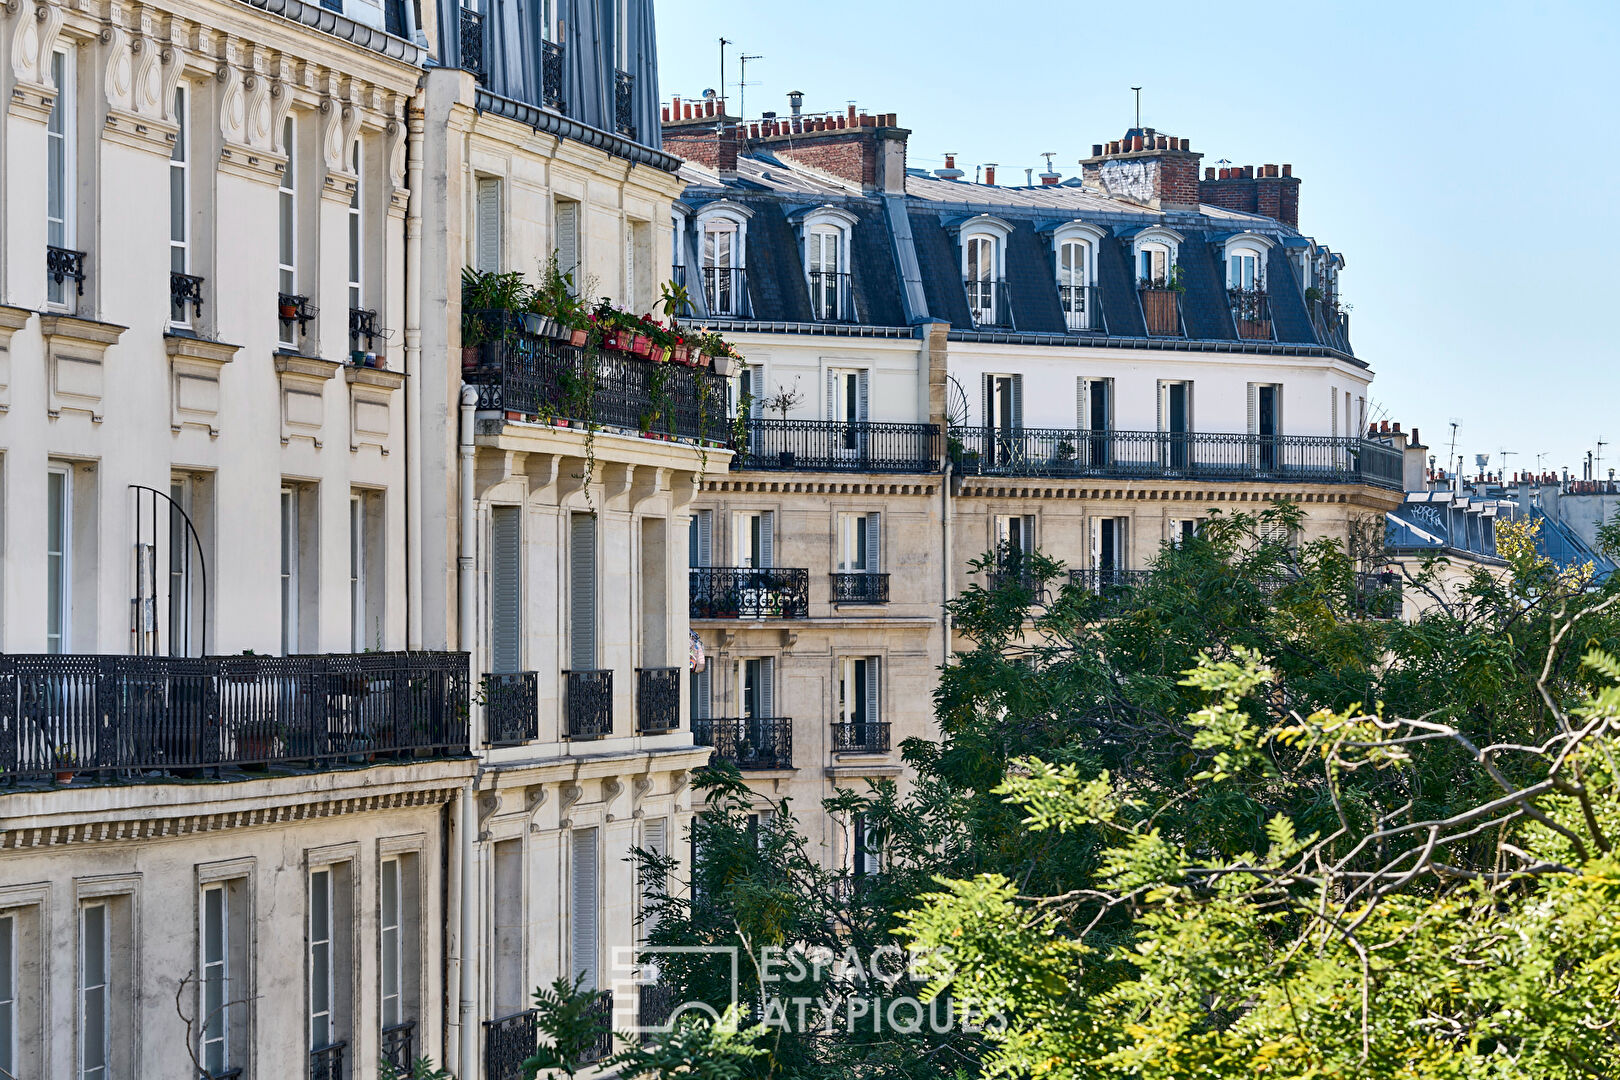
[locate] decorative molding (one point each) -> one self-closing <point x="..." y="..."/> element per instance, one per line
<point x="35" y="27"/>
<point x="570" y="794"/>
<point x="195" y="369"/>
<point x="1208" y="491"/>
<point x="370" y="406"/>
<point x="920" y="488"/>
<point x="303" y="395"/>
<point x="12" y="319"/>
<point x="75" y="358"/>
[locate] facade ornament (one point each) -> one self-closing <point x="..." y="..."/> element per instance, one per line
<point x="174" y="66"/>
<point x="571" y="794"/>
<point x="33" y="38"/>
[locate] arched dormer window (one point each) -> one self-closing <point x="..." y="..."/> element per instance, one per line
<point x="1245" y="259"/>
<point x="984" y="269"/>
<point x="1074" y="246"/>
<point x="827" y="232"/>
<point x="1155" y="252"/>
<point x="722" y="228"/>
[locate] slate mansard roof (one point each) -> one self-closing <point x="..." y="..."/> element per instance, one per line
<point x="775" y="190"/>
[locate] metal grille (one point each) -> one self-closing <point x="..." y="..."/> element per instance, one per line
<point x="601" y="1011"/>
<point x="860" y="588"/>
<point x="838" y="446"/>
<point x="861" y="737"/>
<point x="1251" y="313"/>
<point x="472" y="43"/>
<point x="742" y="592"/>
<point x="327" y="1062"/>
<point x="726" y="290"/>
<point x="590" y="704"/>
<point x="624" y="94"/>
<point x="658" y="700"/>
<point x="831" y="298"/>
<point x="988" y="301"/>
<point x="399" y="1045"/>
<point x="64" y="264"/>
<point x="512" y="708"/>
<point x="1082" y="307"/>
<point x="551" y="77"/>
<point x="749" y="742"/>
<point x="508" y="1043"/>
<point x="185" y="291"/>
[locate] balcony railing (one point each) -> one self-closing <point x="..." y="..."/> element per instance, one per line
<point x="1063" y="452"/>
<point x="1251" y="313"/>
<point x="511" y="708"/>
<point x="472" y="43"/>
<point x="831" y="296"/>
<point x="726" y="290"/>
<point x="601" y="1010"/>
<point x="529" y="375"/>
<point x="131" y="715"/>
<point x="61" y="266"/>
<point x="589" y="704"/>
<point x="988" y="301"/>
<point x="656" y="1004"/>
<point x="508" y="1043"/>
<point x="327" y="1062"/>
<point x="185" y="298"/>
<point x="861" y="737"/>
<point x="1082" y="307"/>
<point x="658" y="700"/>
<point x="860" y="588"/>
<point x="749" y="742"/>
<point x="1378" y="595"/>
<point x="624" y="96"/>
<point x="291" y="308"/>
<point x="1103" y="580"/>
<point x="363" y="324"/>
<point x="399" y="1046"/>
<point x="551" y="76"/>
<point x="746" y="592"/>
<point x="1161" y="310"/>
<point x="839" y="446"/>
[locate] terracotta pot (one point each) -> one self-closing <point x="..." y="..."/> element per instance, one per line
<point x="469" y="356"/>
<point x="65" y="776"/>
<point x="289" y="311"/>
<point x="641" y="345"/>
<point x="578" y="338"/>
<point x="681" y="352"/>
<point x="659" y="355"/>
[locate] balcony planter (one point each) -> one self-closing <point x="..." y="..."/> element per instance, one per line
<point x="616" y="340"/>
<point x="722" y="365"/>
<point x="578" y="338"/>
<point x="641" y="344"/>
<point x="469" y="357"/>
<point x="1159" y="310"/>
<point x="681" y="354"/>
<point x="659" y="355"/>
<point x="289" y="311"/>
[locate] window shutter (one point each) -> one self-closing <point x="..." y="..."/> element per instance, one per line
<point x="1018" y="402"/>
<point x="988" y="384"/>
<point x="1164" y="405"/>
<point x="1254" y="409"/>
<point x="857" y="857"/>
<point x="832" y="394"/>
<point x="1096" y="543"/>
<point x="767" y="686"/>
<point x="767" y="538"/>
<point x="583" y="915"/>
<point x="872" y="714"/>
<point x="1122" y="543"/>
<point x="861" y="382"/>
<point x="505" y="590"/>
<point x="582" y="592"/>
<point x="1082" y="404"/>
<point x="1029" y="532"/>
<point x="705" y="551"/>
<point x="488" y="226"/>
<point x="655" y="841"/>
<point x="568" y="238"/>
<point x="701" y="694"/>
<point x="874" y="537"/>
<point x="630" y="266"/>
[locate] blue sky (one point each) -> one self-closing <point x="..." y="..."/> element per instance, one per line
<point x="1463" y="156"/>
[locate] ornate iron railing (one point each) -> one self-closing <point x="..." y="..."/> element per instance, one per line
<point x="624" y="96"/>
<point x="656" y="1005"/>
<point x="746" y="592"/>
<point x="860" y="588"/>
<point x="658" y="700"/>
<point x="601" y="1011"/>
<point x="291" y="308"/>
<point x="511" y="708"/>
<point x="748" y="742"/>
<point x="65" y="264"/>
<point x="838" y="446"/>
<point x="832" y="296"/>
<point x="1251" y="313"/>
<point x="988" y="302"/>
<point x="327" y="1062"/>
<point x="726" y="290"/>
<point x="1103" y="579"/>
<point x="508" y="1043"/>
<point x="529" y="375"/>
<point x="472" y="43"/>
<point x="589" y="704"/>
<point x="100" y="716"/>
<point x="551" y="76"/>
<point x="399" y="1046"/>
<point x="185" y="297"/>
<point x="363" y="324"/>
<point x="1064" y="452"/>
<point x="1082" y="307"/>
<point x="861" y="737"/>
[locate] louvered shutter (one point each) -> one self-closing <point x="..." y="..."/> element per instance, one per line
<point x="1333" y="410"/>
<point x="874" y="538"/>
<point x="862" y="384"/>
<point x="654" y="840"/>
<point x="1122" y="543"/>
<point x="1096" y="543"/>
<point x="1164" y="405"/>
<point x="767" y="686"/>
<point x="701" y="694"/>
<point x="582" y="592"/>
<point x="1029" y="533"/>
<point x="1018" y="402"/>
<point x="1082" y="404"/>
<point x="704" y="555"/>
<point x="1254" y="409"/>
<point x="488" y="226"/>
<point x="767" y="539"/>
<point x="857" y="860"/>
<point x="583" y="915"/>
<point x="872" y="714"/>
<point x="988" y="383"/>
<point x="832" y="395"/>
<point x="568" y="239"/>
<point x="630" y="266"/>
<point x="505" y="590"/>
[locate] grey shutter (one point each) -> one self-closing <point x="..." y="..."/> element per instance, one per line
<point x="1254" y="409"/>
<point x="1029" y="532"/>
<point x="705" y="551"/>
<point x="988" y="385"/>
<point x="1018" y="402"/>
<point x="582" y="592"/>
<point x="488" y="226"/>
<point x="654" y="840"/>
<point x="630" y="265"/>
<point x="1333" y="410"/>
<point x="767" y="686"/>
<point x="1164" y="405"/>
<point x="1082" y="404"/>
<point x="568" y="239"/>
<point x="505" y="590"/>
<point x="583" y="915"/>
<point x="832" y="395"/>
<point x="874" y="537"/>
<point x="862" y="380"/>
<point x="701" y="694"/>
<point x="872" y="714"/>
<point x="767" y="539"/>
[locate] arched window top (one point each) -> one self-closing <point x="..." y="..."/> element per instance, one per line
<point x="1155" y="252"/>
<point x="987" y="225"/>
<point x="721" y="213"/>
<point x="825" y="233"/>
<point x="1244" y="255"/>
<point x="827" y="217"/>
<point x="1070" y="231"/>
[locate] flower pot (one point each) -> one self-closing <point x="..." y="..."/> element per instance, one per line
<point x="64" y="776"/>
<point x="379" y="361"/>
<point x="641" y="344"/>
<point x="577" y="338"/>
<point x="722" y="365"/>
<point x="358" y="358"/>
<point x="659" y="355"/>
<point x="512" y="414"/>
<point x="469" y="357"/>
<point x="533" y="322"/>
<point x="680" y="354"/>
<point x="289" y="311"/>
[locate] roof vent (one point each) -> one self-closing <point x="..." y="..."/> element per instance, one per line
<point x="950" y="171"/>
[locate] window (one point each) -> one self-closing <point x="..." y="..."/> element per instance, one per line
<point x="568" y="241"/>
<point x="289" y="571"/>
<point x="95" y="1014"/>
<point x="1074" y="280"/>
<point x="61" y="157"/>
<point x="330" y="916"/>
<point x="1175" y="422"/>
<point x="847" y="395"/>
<point x="1182" y="530"/>
<point x="180" y="207"/>
<point x="505" y="589"/>
<point x="858" y="698"/>
<point x="700" y="539"/>
<point x="1265" y="423"/>
<point x="487" y="226"/>
<point x="287" y="223"/>
<point x="9" y="1020"/>
<point x="1243" y="270"/>
<point x="701" y="687"/>
<point x="1109" y="548"/>
<point x="23" y="959"/>
<point x="721" y="272"/>
<point x="356" y="238"/>
<point x="214" y="1013"/>
<point x="398" y="920"/>
<point x="980" y="258"/>
<point x="756" y="687"/>
<point x="1094" y="419"/>
<point x="1003" y="414"/>
<point x="58" y="558"/>
<point x="583" y="913"/>
<point x="1153" y="265"/>
<point x="858" y="543"/>
<point x="582" y="592"/>
<point x="753" y="538"/>
<point x="866" y="848"/>
<point x="507" y="914"/>
<point x="826" y="270"/>
<point x="1015" y="535"/>
<point x="367" y="570"/>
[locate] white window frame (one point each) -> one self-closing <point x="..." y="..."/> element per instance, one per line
<point x="317" y="1017"/>
<point x="291" y="537"/>
<point x="820" y="229"/>
<point x="59" y="563"/>
<point x="357" y="571"/>
<point x="180" y="181"/>
<point x="850" y="703"/>
<point x="1084" y="238"/>
<point x="621" y="34"/>
<point x="214" y="1020"/>
<point x="984" y="233"/>
<point x="1246" y="245"/>
<point x="95" y="996"/>
<point x="1154" y="241"/>
<point x="287" y="230"/>
<point x="64" y="108"/>
<point x="11" y="939"/>
<point x="855" y="553"/>
<point x="391" y="941"/>
<point x="727" y="219"/>
<point x="357" y="234"/>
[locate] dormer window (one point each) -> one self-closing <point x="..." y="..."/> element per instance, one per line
<point x="1246" y="285"/>
<point x="984" y="244"/>
<point x="827" y="232"/>
<point x="1075" y="245"/>
<point x="1158" y="279"/>
<point x="722" y="252"/>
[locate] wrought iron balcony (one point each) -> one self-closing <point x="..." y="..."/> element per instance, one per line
<point x="1251" y="313"/>
<point x="861" y="737"/>
<point x="185" y="298"/>
<point x="749" y="742"/>
<point x="601" y="1010"/>
<point x="363" y="324"/>
<point x="1161" y="309"/>
<point x="1082" y="307"/>
<point x="100" y="718"/>
<point x="291" y="308"/>
<point x="508" y="1043"/>
<point x="832" y="297"/>
<point x="1378" y="595"/>
<point x="327" y="1062"/>
<point x="589" y="704"/>
<point x="1065" y="452"/>
<point x="656" y="1004"/>
<point x="624" y="96"/>
<point x="525" y="374"/>
<point x="725" y="288"/>
<point x="472" y="43"/>
<point x="860" y="588"/>
<point x="399" y="1046"/>
<point x="988" y="302"/>
<point x="838" y="446"/>
<point x="746" y="592"/>
<point x="658" y="700"/>
<point x="511" y="708"/>
<point x="63" y="265"/>
<point x="551" y="76"/>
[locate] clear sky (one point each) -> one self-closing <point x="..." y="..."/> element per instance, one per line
<point x="1463" y="157"/>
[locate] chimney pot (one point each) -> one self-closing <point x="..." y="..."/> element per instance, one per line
<point x="990" y="175"/>
<point x="1395" y="427"/>
<point x="1186" y="145"/>
<point x="1209" y="173"/>
<point x="1096" y="149"/>
<point x="688" y="110"/>
<point x="1136" y="142"/>
<point x="753" y="131"/>
<point x="1288" y="170"/>
<point x="851" y="113"/>
<point x="666" y="114"/>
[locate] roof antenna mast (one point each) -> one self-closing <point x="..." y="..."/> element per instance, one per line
<point x="723" y="44"/>
<point x="1138" y="91"/>
<point x="742" y="86"/>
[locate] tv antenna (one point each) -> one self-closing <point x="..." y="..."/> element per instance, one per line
<point x="742" y="85"/>
<point x="1137" y="90"/>
<point x="723" y="43"/>
<point x="1598" y="470"/>
<point x="1451" y="454"/>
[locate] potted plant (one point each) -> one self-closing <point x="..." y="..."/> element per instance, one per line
<point x="65" y="761"/>
<point x="782" y="402"/>
<point x="288" y="310"/>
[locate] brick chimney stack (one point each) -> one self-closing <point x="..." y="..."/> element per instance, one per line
<point x="1146" y="167"/>
<point x="1254" y="189"/>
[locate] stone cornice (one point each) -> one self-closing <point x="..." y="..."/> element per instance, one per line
<point x="194" y="348"/>
<point x="378" y="377"/>
<point x="797" y="484"/>
<point x="991" y="487"/>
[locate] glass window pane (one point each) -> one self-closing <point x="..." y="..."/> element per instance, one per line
<point x="320" y="905"/>
<point x="95" y="1029"/>
<point x="94" y="934"/>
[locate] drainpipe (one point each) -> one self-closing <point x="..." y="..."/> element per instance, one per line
<point x="413" y="382"/>
<point x="946" y="566"/>
<point x="466" y="640"/>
